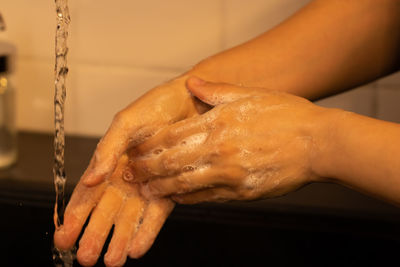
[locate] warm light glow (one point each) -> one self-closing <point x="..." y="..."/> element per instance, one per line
<point x="3" y="85"/>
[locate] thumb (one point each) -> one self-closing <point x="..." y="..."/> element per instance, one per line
<point x="219" y="93"/>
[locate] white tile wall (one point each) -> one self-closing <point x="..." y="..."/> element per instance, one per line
<point x="34" y="90"/>
<point x="360" y="100"/>
<point x="389" y="104"/>
<point x="95" y="94"/>
<point x="120" y="49"/>
<point x="154" y="33"/>
<point x="247" y="19"/>
<point x="388" y="98"/>
<point x="100" y="91"/>
<point x="391" y="81"/>
<point x="31" y="26"/>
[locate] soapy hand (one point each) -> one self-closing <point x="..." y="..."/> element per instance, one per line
<point x="253" y="144"/>
<point x="161" y="106"/>
<point x="136" y="220"/>
<point x="103" y="190"/>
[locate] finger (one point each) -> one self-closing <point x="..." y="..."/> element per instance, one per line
<point x="122" y="134"/>
<point x="188" y="132"/>
<point x="219" y="93"/>
<point x="162" y="105"/>
<point x="79" y="207"/>
<point x="185" y="157"/>
<point x="100" y="224"/>
<point x="206" y="195"/>
<point x="186" y="182"/>
<point x="108" y="150"/>
<point x="126" y="225"/>
<point x="83" y="200"/>
<point x="154" y="217"/>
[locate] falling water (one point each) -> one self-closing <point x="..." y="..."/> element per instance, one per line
<point x="61" y="258"/>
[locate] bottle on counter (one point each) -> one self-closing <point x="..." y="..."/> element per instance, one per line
<point x="8" y="132"/>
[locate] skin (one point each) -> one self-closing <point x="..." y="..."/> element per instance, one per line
<point x="312" y="54"/>
<point x="257" y="143"/>
<point x="113" y="200"/>
<point x="325" y="48"/>
<point x="136" y="220"/>
<point x="253" y="144"/>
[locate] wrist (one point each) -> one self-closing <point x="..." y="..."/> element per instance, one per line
<point x="324" y="154"/>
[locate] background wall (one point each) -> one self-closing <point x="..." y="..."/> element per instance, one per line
<point x="120" y="49"/>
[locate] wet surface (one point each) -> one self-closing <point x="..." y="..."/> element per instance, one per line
<point x="320" y="225"/>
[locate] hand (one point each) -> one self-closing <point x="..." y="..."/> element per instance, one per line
<point x="253" y="144"/>
<point x="161" y="106"/>
<point x="136" y="220"/>
<point x="102" y="186"/>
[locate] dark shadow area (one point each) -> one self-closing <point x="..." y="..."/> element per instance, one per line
<point x="320" y="225"/>
<point x="27" y="238"/>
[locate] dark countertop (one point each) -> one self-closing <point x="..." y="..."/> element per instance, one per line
<point x="319" y="217"/>
<point x="29" y="182"/>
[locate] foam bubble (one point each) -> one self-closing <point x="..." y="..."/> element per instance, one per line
<point x="195" y="140"/>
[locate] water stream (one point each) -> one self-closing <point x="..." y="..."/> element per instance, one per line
<point x="60" y="258"/>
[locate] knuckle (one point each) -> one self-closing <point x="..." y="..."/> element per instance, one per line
<point x="221" y="122"/>
<point x="119" y="118"/>
<point x="183" y="183"/>
<point x="224" y="150"/>
<point x="169" y="164"/>
<point x="172" y="136"/>
<point x="141" y="168"/>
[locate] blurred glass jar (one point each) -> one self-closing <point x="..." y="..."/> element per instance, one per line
<point x="8" y="132"/>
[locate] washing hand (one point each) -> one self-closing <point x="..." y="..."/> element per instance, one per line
<point x="105" y="194"/>
<point x="136" y="220"/>
<point x="161" y="106"/>
<point x="253" y="144"/>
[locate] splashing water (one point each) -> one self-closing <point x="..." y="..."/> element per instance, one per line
<point x="60" y="258"/>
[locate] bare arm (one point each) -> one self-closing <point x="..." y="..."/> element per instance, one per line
<point x="362" y="153"/>
<point x="257" y="143"/>
<point x="326" y="47"/>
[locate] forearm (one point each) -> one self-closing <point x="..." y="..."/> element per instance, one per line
<point x="362" y="153"/>
<point x="325" y="48"/>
